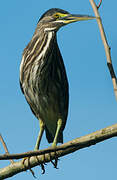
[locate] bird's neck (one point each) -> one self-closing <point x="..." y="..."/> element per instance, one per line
<point x="35" y="54"/>
<point x="47" y="43"/>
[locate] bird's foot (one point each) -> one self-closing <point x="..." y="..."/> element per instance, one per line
<point x="27" y="165"/>
<point x="43" y="158"/>
<point x="41" y="164"/>
<point x="55" y="161"/>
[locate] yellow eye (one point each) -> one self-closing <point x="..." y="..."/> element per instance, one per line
<point x="57" y="16"/>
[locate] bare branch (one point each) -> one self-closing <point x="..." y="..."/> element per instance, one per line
<point x="5" y="147"/>
<point x="49" y="154"/>
<point x="106" y="46"/>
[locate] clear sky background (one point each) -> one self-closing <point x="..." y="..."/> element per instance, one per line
<point x="92" y="101"/>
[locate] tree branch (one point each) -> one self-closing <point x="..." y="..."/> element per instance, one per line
<point x="47" y="155"/>
<point x="106" y="46"/>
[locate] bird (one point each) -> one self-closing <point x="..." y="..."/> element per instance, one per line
<point x="43" y="77"/>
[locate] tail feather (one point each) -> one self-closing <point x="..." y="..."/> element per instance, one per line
<point x="50" y="138"/>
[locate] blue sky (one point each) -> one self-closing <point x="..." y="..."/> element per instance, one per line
<point x="92" y="102"/>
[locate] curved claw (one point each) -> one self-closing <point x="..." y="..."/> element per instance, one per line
<point x="42" y="165"/>
<point x="43" y="168"/>
<point x="55" y="162"/>
<point x="23" y="162"/>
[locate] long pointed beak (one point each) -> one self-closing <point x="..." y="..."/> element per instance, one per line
<point x="75" y="17"/>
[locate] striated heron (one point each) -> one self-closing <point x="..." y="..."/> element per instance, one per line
<point x="43" y="76"/>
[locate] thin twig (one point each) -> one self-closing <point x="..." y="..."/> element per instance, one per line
<point x="98" y="6"/>
<point x="5" y="147"/>
<point x="106" y="46"/>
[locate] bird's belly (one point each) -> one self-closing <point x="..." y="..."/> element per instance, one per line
<point x="48" y="98"/>
<point x="50" y="113"/>
<point x="47" y="107"/>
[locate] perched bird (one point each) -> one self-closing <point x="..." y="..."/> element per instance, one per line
<point x="43" y="78"/>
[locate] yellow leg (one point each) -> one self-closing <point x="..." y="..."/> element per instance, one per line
<point x="59" y="124"/>
<point x="37" y="142"/>
<point x="39" y="135"/>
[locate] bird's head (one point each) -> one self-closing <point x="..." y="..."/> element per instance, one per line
<point x="55" y="18"/>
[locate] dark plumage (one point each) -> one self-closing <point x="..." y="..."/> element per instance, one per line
<point x="43" y="77"/>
